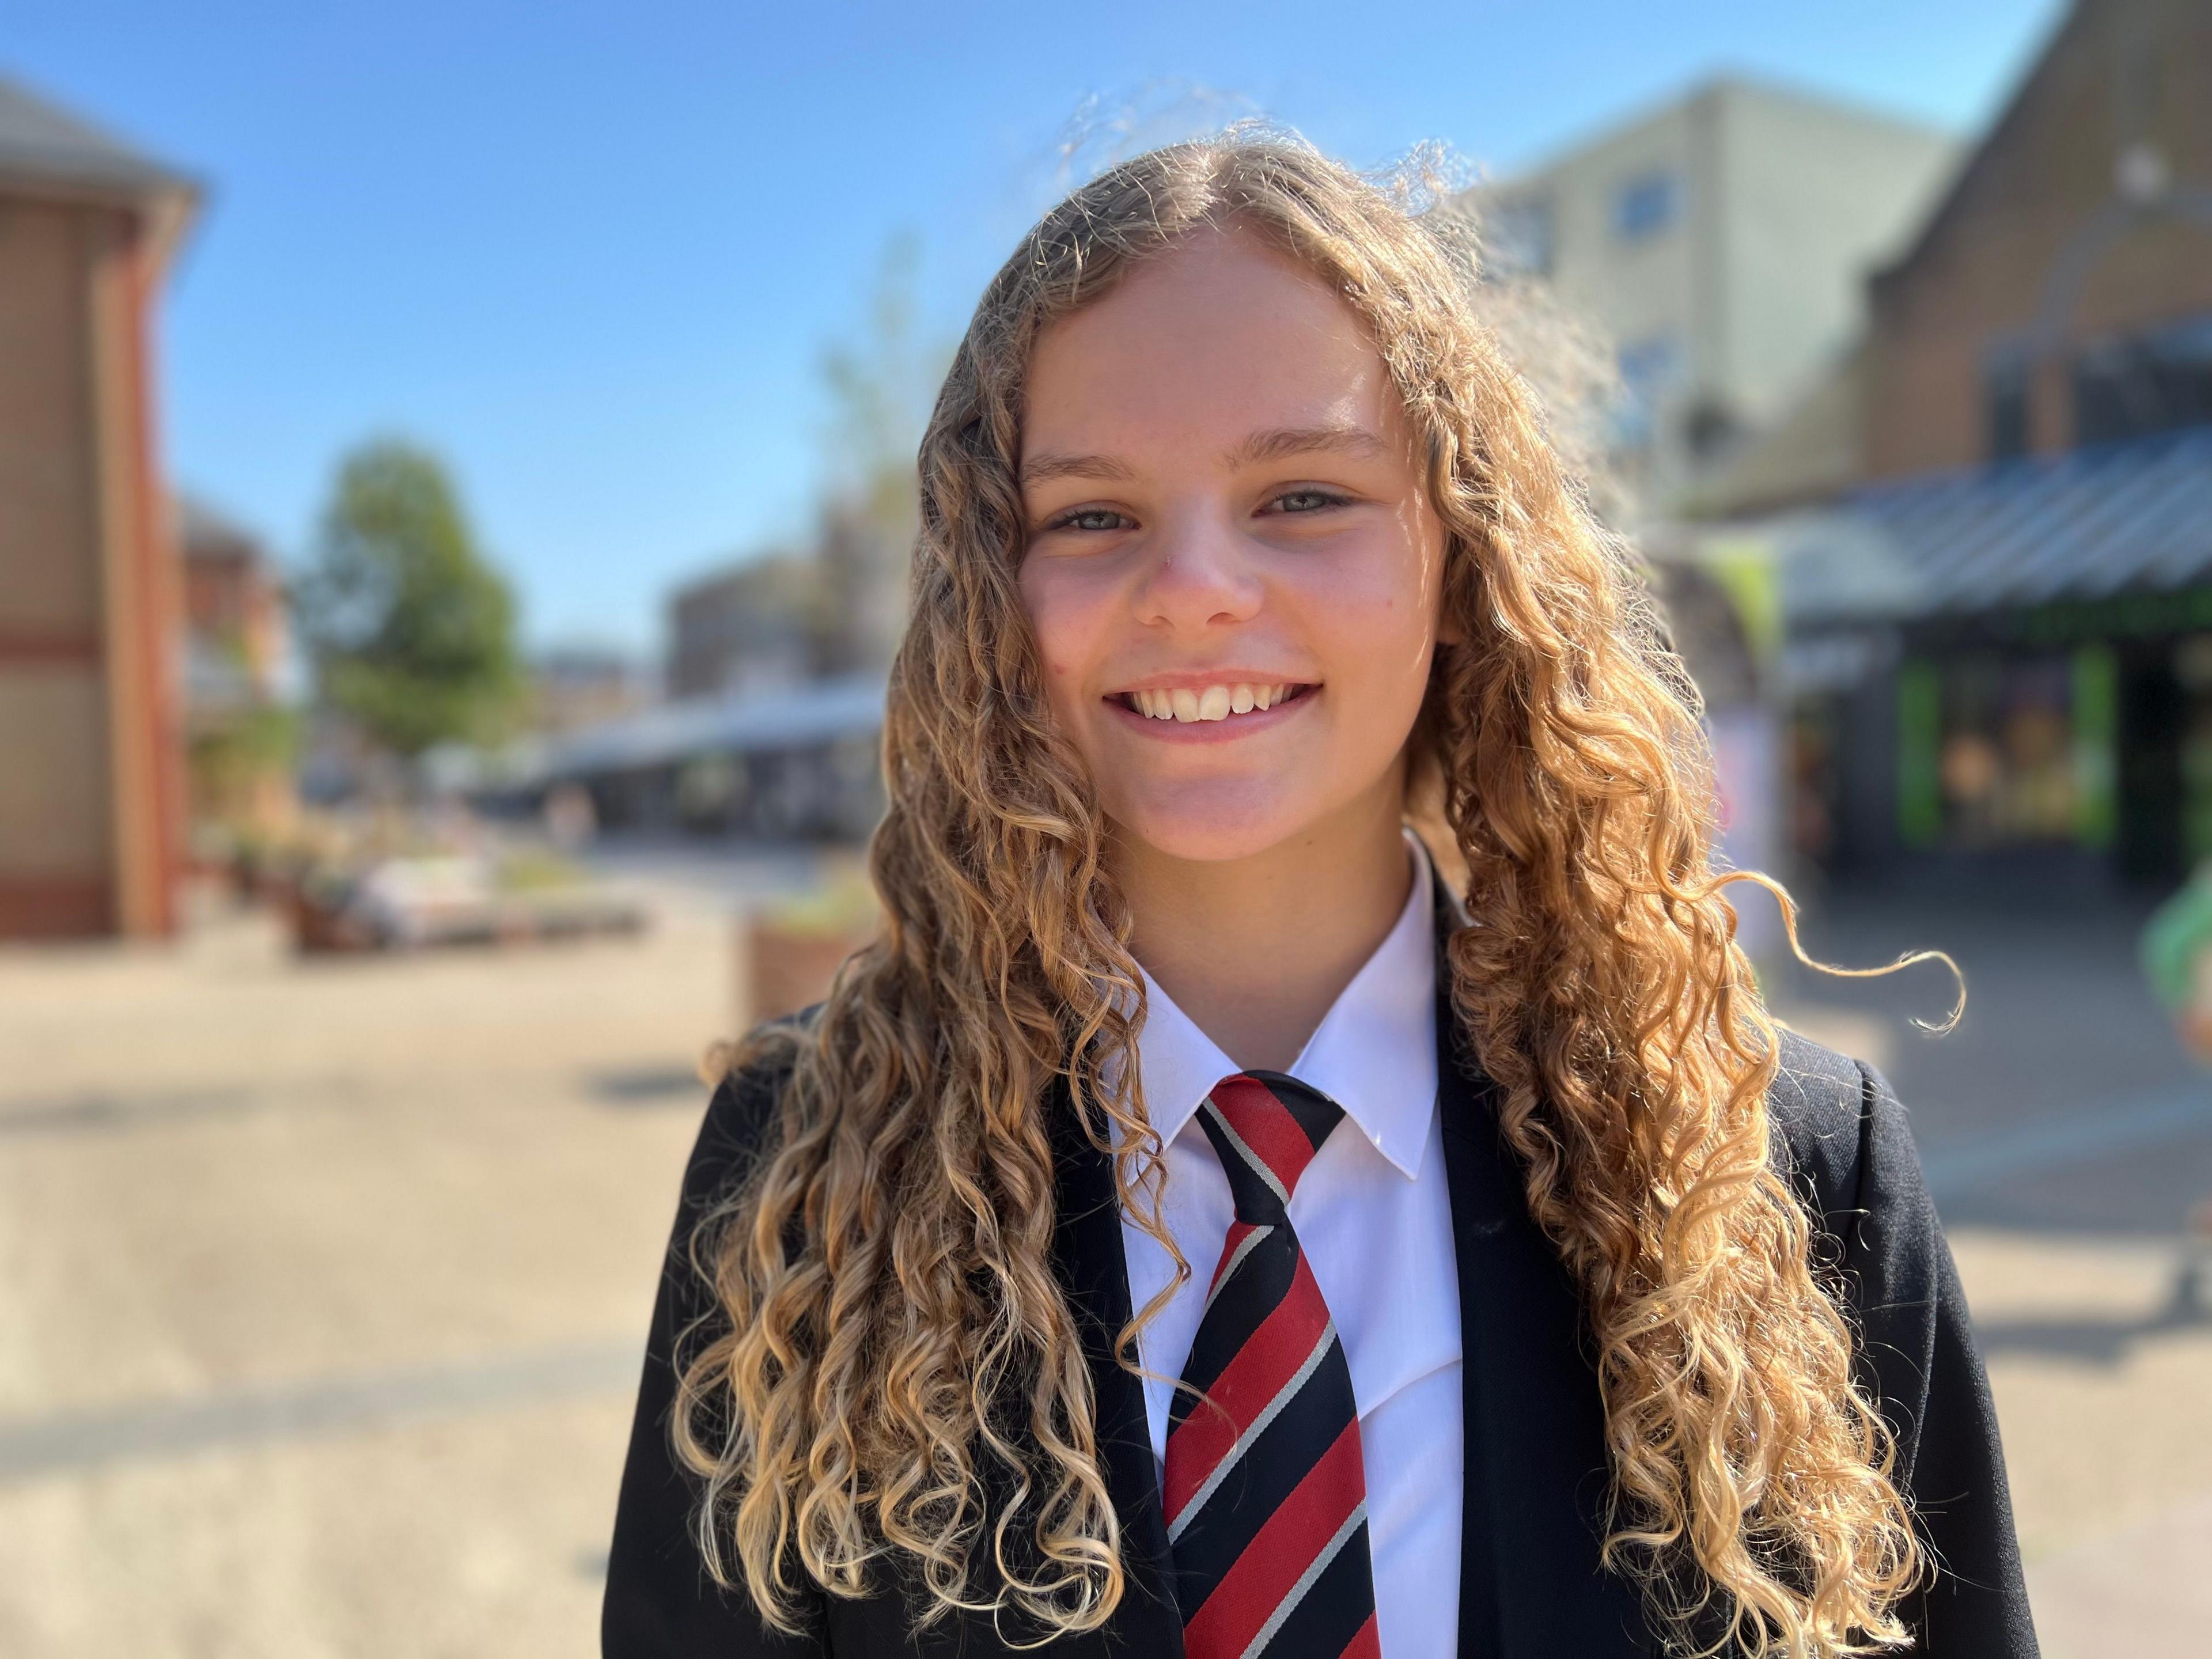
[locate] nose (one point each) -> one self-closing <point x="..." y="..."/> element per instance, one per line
<point x="1199" y="575"/>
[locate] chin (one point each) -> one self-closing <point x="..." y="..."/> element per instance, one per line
<point x="1208" y="826"/>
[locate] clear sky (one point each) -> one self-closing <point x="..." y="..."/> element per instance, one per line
<point x="593" y="253"/>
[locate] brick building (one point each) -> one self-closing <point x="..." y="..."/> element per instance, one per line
<point x="1998" y="578"/>
<point x="91" y="760"/>
<point x="2068" y="273"/>
<point x="239" y="718"/>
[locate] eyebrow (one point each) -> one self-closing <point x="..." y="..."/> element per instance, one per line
<point x="1261" y="446"/>
<point x="1041" y="469"/>
<point x="1285" y="442"/>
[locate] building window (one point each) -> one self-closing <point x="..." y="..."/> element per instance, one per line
<point x="1518" y="237"/>
<point x="1710" y="428"/>
<point x="1646" y="205"/>
<point x="2005" y="382"/>
<point x="1649" y="369"/>
<point x="2145" y="383"/>
<point x="2002" y="749"/>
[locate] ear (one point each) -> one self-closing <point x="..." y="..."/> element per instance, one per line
<point x="1448" y="631"/>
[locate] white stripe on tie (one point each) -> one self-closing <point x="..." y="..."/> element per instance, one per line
<point x="1275" y="1409"/>
<point x="1229" y="1267"/>
<point x="1259" y="1164"/>
<point x="1289" y="1604"/>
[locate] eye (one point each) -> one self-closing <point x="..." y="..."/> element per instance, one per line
<point x="1307" y="501"/>
<point x="1095" y="520"/>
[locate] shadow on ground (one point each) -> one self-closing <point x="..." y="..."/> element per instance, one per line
<point x="631" y="1086"/>
<point x="2100" y="1339"/>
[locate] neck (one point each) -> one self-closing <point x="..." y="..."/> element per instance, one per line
<point x="1256" y="950"/>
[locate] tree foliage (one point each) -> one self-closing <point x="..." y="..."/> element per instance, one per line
<point x="413" y="633"/>
<point x="880" y="383"/>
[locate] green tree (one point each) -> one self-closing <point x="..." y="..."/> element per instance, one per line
<point x="410" y="631"/>
<point x="881" y="383"/>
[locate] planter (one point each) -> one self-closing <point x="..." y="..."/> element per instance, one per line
<point x="782" y="969"/>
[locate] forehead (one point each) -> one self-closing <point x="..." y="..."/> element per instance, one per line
<point x="1217" y="336"/>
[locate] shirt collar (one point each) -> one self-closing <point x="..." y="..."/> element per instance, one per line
<point x="1374" y="1052"/>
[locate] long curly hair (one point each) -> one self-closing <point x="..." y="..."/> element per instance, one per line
<point x="893" y="1376"/>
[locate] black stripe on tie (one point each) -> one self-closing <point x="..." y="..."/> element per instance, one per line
<point x="1257" y="1486"/>
<point x="1315" y="1113"/>
<point x="1257" y="1289"/>
<point x="1329" y="1614"/>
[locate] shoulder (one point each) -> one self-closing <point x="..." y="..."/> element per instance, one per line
<point x="742" y="1118"/>
<point x="1830" y="1115"/>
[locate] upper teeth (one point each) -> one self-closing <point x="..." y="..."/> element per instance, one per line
<point x="1212" y="702"/>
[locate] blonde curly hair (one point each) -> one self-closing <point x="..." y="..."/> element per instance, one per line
<point x="894" y="1376"/>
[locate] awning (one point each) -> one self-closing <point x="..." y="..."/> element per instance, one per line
<point x="2132" y="517"/>
<point x="798" y="718"/>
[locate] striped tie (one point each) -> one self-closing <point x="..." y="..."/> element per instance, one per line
<point x="1266" y="1497"/>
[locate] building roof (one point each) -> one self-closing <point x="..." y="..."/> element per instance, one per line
<point x="42" y="142"/>
<point x="799" y="717"/>
<point x="1995" y="138"/>
<point x="1709" y="90"/>
<point x="205" y="531"/>
<point x="2114" y="519"/>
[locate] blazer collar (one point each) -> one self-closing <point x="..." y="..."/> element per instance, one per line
<point x="1088" y="1257"/>
<point x="1535" y="1471"/>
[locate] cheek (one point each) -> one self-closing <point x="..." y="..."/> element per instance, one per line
<point x="1064" y="630"/>
<point x="1378" y="616"/>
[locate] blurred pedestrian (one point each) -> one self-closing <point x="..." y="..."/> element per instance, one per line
<point x="571" y="820"/>
<point x="1210" y="1221"/>
<point x="2176" y="960"/>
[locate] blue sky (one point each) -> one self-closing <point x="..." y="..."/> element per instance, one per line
<point x="593" y="253"/>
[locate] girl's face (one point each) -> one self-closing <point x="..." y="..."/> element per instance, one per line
<point x="1233" y="568"/>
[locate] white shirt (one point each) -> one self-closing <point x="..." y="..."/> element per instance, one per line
<point x="1373" y="1215"/>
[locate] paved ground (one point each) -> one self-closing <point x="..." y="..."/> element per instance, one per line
<point x="321" y="1284"/>
<point x="2066" y="1138"/>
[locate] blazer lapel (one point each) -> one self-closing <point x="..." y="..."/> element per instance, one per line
<point x="1530" y="1582"/>
<point x="1088" y="1257"/>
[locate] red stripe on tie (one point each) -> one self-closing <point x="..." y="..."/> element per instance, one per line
<point x="1365" y="1645"/>
<point x="1265" y="1124"/>
<point x="1270" y="1358"/>
<point x="1285" y="1544"/>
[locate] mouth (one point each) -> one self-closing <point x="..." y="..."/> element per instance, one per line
<point x="1204" y="705"/>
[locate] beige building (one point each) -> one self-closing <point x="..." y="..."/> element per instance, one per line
<point x="91" y="756"/>
<point x="1721" y="244"/>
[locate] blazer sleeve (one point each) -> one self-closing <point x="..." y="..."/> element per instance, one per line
<point x="661" y="1603"/>
<point x="1918" y="1355"/>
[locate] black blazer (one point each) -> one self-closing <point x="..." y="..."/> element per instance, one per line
<point x="1530" y="1585"/>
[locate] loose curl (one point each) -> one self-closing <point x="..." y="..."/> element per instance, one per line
<point x="894" y="1373"/>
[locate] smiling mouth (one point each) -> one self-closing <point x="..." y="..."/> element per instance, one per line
<point x="1191" y="705"/>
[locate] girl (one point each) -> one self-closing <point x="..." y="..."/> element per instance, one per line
<point x="1212" y="1220"/>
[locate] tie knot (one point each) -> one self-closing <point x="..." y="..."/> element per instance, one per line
<point x="1267" y="1126"/>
